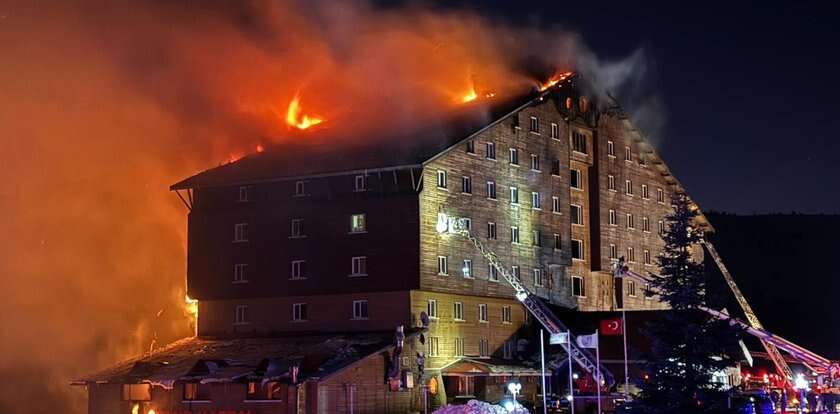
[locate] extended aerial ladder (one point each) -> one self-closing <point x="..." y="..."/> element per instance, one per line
<point x="534" y="305"/>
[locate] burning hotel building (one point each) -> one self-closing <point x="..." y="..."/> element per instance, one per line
<point x="305" y="260"/>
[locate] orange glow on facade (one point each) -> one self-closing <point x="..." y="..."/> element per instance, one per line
<point x="297" y="119"/>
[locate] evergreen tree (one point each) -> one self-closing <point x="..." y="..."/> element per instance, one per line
<point x="688" y="345"/>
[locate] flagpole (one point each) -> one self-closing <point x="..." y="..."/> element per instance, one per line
<point x="571" y="376"/>
<point x="598" y="369"/>
<point x="626" y="371"/>
<point x="542" y="362"/>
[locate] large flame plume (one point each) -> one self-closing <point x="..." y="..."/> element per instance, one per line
<point x="296" y="118"/>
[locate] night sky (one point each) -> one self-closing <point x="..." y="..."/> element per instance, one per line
<point x="749" y="91"/>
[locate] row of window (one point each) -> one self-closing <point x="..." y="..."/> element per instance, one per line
<point x="490" y="192"/>
<point x="358" y="224"/>
<point x="628" y="153"/>
<point x="458" y="311"/>
<point x="246" y="192"/>
<point x="630" y="291"/>
<point x="358" y="268"/>
<point x="300" y="312"/>
<point x="629" y="189"/>
<point x="631" y="255"/>
<point x="459" y="345"/>
<point x="630" y="222"/>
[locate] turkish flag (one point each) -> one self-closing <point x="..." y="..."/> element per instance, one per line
<point x="611" y="326"/>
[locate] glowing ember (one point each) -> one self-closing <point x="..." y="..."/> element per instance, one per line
<point x="554" y="80"/>
<point x="295" y="118"/>
<point x="260" y="148"/>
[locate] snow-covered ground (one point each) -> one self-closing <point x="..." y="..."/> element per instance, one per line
<point x="479" y="407"/>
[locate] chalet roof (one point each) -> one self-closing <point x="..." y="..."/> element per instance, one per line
<point x="227" y="360"/>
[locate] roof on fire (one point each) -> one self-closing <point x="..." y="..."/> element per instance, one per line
<point x="266" y="358"/>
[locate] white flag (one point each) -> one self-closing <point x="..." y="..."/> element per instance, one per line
<point x="559" y="338"/>
<point x="588" y="341"/>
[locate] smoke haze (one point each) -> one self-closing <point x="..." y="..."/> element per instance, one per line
<point x="106" y="103"/>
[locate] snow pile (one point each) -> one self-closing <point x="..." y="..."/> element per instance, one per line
<point x="478" y="407"/>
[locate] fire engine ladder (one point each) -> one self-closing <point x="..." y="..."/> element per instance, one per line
<point x="781" y="366"/>
<point x="537" y="308"/>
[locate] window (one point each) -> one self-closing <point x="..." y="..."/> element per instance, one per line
<point x="660" y="195"/>
<point x="240" y="315"/>
<point x="611" y="182"/>
<point x="647" y="257"/>
<point x="646" y="224"/>
<point x="661" y="228"/>
<point x="467" y="270"/>
<point x="459" y="351"/>
<point x="577" y="214"/>
<point x="610" y="148"/>
<point x="555" y="130"/>
<point x="613" y="252"/>
<point x="360" y="183"/>
<point x="360" y="309"/>
<point x="137" y="392"/>
<point x="470" y="147"/>
<point x="631" y="255"/>
<point x="239" y="273"/>
<point x="555" y="204"/>
<point x="514" y="195"/>
<point x="467" y="223"/>
<point x="431" y="308"/>
<point x="536" y="238"/>
<point x="631" y="224"/>
<point x="297" y="228"/>
<point x="482" y="312"/>
<point x="577" y="249"/>
<point x="535" y="124"/>
<point x="298" y="269"/>
<point x="506" y="314"/>
<point x="358" y="266"/>
<point x="613" y="220"/>
<point x="557" y="240"/>
<point x="194" y="391"/>
<point x="578" y="287"/>
<point x="535" y="162"/>
<point x="628" y="156"/>
<point x="466" y="185"/>
<point x="358" y="223"/>
<point x="538" y="277"/>
<point x="240" y="232"/>
<point x="535" y="201"/>
<point x="493" y="273"/>
<point x="434" y="346"/>
<point x="483" y="348"/>
<point x="270" y="391"/>
<point x="490" y="150"/>
<point x="648" y="291"/>
<point x="507" y="349"/>
<point x="514" y="272"/>
<point x="576" y="180"/>
<point x="491" y="190"/>
<point x="515" y="121"/>
<point x="491" y="230"/>
<point x="300" y="312"/>
<point x="555" y="167"/>
<point x="441" y="179"/>
<point x="628" y="187"/>
<point x="244" y="193"/>
<point x="443" y="265"/>
<point x="514" y="156"/>
<point x="514" y="234"/>
<point x="645" y="192"/>
<point x="631" y="288"/>
<point x="579" y="142"/>
<point x="300" y="188"/>
<point x="458" y="311"/>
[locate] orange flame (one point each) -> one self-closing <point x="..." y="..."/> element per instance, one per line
<point x="554" y="80"/>
<point x="296" y="119"/>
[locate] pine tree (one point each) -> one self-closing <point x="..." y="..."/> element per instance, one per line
<point x="688" y="345"/>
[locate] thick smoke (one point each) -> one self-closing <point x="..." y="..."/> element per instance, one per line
<point x="106" y="103"/>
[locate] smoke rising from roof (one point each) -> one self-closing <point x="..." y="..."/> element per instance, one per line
<point x="106" y="103"/>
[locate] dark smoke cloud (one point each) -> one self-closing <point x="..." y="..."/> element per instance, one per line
<point x="106" y="103"/>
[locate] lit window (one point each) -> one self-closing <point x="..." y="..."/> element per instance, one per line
<point x="631" y="288"/>
<point x="514" y="156"/>
<point x="514" y="234"/>
<point x="458" y="311"/>
<point x="613" y="220"/>
<point x="431" y="308"/>
<point x="577" y="214"/>
<point x="300" y="188"/>
<point x="555" y="204"/>
<point x="361" y="183"/>
<point x="579" y="142"/>
<point x="470" y="147"/>
<point x="613" y="252"/>
<point x="645" y="192"/>
<point x="535" y="124"/>
<point x="482" y="312"/>
<point x="647" y="257"/>
<point x="610" y="149"/>
<point x="358" y="223"/>
<point x="358" y="266"/>
<point x="441" y="179"/>
<point x="240" y="232"/>
<point x="538" y="277"/>
<point x="631" y="223"/>
<point x="244" y="193"/>
<point x="577" y="249"/>
<point x="628" y="187"/>
<point x="466" y="185"/>
<point x="300" y="312"/>
<point x="297" y="228"/>
<point x="536" y="238"/>
<point x="555" y="167"/>
<point x="611" y="182"/>
<point x="443" y="265"/>
<point x="360" y="309"/>
<point x="483" y="348"/>
<point x="514" y="272"/>
<point x="240" y="316"/>
<point x="535" y="201"/>
<point x="491" y="230"/>
<point x="660" y="195"/>
<point x="628" y="156"/>
<point x="239" y="273"/>
<point x="646" y="224"/>
<point x="298" y="269"/>
<point x="576" y="180"/>
<point x="555" y="130"/>
<point x="467" y="270"/>
<point x="459" y="351"/>
<point x="506" y="314"/>
<point x="491" y="190"/>
<point x="490" y="150"/>
<point x="434" y="346"/>
<point x="557" y="242"/>
<point x="578" y="287"/>
<point x="631" y="255"/>
<point x="514" y="195"/>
